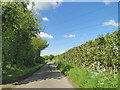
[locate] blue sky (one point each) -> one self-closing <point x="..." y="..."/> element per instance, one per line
<point x="70" y="24"/>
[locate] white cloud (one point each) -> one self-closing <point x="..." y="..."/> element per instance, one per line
<point x="45" y="5"/>
<point x="69" y="36"/>
<point x="44" y="35"/>
<point x="45" y="19"/>
<point x="62" y="52"/>
<point x="110" y="22"/>
<point x="65" y="36"/>
<point x="107" y="2"/>
<point x="55" y="52"/>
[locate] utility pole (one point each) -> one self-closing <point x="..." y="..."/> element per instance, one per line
<point x="65" y="56"/>
<point x="119" y="58"/>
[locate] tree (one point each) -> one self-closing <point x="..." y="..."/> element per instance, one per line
<point x="51" y="57"/>
<point x="46" y="57"/>
<point x="19" y="27"/>
<point x="38" y="44"/>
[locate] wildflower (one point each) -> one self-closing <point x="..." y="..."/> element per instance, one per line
<point x="101" y="83"/>
<point x="101" y="71"/>
<point x="98" y="84"/>
<point x="103" y="74"/>
<point x="96" y="73"/>
<point x="91" y="72"/>
<point x="95" y="62"/>
<point x="105" y="77"/>
<point x="92" y="64"/>
<point x="93" y="76"/>
<point x="101" y="66"/>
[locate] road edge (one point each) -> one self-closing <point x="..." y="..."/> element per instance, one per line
<point x="21" y="77"/>
<point x="72" y="83"/>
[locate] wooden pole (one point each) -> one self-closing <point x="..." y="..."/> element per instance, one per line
<point x="65" y="57"/>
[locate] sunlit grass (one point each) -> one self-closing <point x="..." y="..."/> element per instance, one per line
<point x="10" y="75"/>
<point x="87" y="78"/>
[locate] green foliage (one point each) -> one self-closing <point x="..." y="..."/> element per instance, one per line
<point x="20" y="46"/>
<point x="12" y="73"/>
<point x="46" y="57"/>
<point x="88" y="78"/>
<point x="59" y="57"/>
<point x="51" y="57"/>
<point x="103" y="50"/>
<point x="95" y="62"/>
<point x="92" y="79"/>
<point x="38" y="45"/>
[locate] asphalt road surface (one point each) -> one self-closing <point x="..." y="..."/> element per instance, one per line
<point x="46" y="77"/>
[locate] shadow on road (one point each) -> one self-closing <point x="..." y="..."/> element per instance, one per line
<point x="49" y="71"/>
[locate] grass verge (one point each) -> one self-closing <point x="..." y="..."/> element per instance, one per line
<point x="88" y="78"/>
<point x="16" y="74"/>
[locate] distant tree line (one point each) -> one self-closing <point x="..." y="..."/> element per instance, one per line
<point x="46" y="57"/>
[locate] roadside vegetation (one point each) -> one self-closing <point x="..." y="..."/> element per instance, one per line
<point x="93" y="64"/>
<point x="87" y="78"/>
<point x="15" y="74"/>
<point x="20" y="45"/>
<point x="50" y="57"/>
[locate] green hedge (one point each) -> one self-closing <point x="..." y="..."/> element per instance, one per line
<point x="102" y="50"/>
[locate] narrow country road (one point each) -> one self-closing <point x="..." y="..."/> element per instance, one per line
<point x="46" y="77"/>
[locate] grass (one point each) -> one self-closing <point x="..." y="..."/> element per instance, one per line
<point x="14" y="73"/>
<point x="88" y="78"/>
